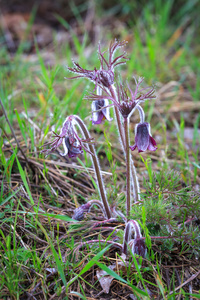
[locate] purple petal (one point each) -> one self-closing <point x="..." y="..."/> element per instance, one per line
<point x="139" y="247"/>
<point x="106" y="111"/>
<point x="80" y="211"/>
<point x="152" y="144"/>
<point x="97" y="117"/>
<point x="74" y="154"/>
<point x="70" y="149"/>
<point x="74" y="151"/>
<point x="142" y="137"/>
<point x="133" y="147"/>
<point x="99" y="113"/>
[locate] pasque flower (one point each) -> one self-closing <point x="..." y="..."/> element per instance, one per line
<point x="105" y="75"/>
<point x="100" y="111"/>
<point x="124" y="101"/>
<point x="136" y="245"/>
<point x="143" y="138"/>
<point x="71" y="149"/>
<point x="68" y="136"/>
<point x="85" y="208"/>
<point x="80" y="211"/>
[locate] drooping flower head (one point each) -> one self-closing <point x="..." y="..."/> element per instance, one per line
<point x="71" y="149"/>
<point x="137" y="245"/>
<point x="85" y="208"/>
<point x="72" y="143"/>
<point x="143" y="138"/>
<point x="100" y="111"/>
<point x="80" y="211"/>
<point x="105" y="75"/>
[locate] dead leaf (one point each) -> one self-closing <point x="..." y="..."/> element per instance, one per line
<point x="105" y="280"/>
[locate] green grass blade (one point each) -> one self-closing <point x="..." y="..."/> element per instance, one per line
<point x="9" y="197"/>
<point x="23" y="176"/>
<point x="58" y="262"/>
<point x="21" y="126"/>
<point x="91" y="263"/>
<point x="59" y="217"/>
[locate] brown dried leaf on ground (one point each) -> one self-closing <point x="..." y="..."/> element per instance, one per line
<point x="105" y="279"/>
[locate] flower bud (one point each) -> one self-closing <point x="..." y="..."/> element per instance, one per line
<point x="106" y="78"/>
<point x="138" y="247"/>
<point x="80" y="211"/>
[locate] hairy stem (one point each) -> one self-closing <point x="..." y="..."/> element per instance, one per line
<point x="128" y="177"/>
<point x="131" y="226"/>
<point x="141" y="113"/>
<point x="119" y="123"/>
<point x="96" y="166"/>
<point x="118" y="245"/>
<point x="126" y="239"/>
<point x="136" y="186"/>
<point x="135" y="183"/>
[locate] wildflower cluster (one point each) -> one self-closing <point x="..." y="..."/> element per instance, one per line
<point x="125" y="101"/>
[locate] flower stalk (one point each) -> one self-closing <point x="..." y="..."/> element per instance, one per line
<point x="128" y="179"/>
<point x="135" y="183"/>
<point x="94" y="158"/>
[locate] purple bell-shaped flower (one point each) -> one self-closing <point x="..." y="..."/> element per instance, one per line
<point x="100" y="111"/>
<point x="143" y="138"/>
<point x="71" y="149"/>
<point x="136" y="245"/>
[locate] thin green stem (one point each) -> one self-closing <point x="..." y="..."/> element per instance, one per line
<point x="128" y="177"/>
<point x="96" y="166"/>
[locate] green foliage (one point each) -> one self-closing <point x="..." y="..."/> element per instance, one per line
<point x="165" y="206"/>
<point x="169" y="200"/>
